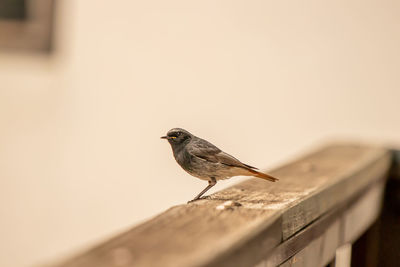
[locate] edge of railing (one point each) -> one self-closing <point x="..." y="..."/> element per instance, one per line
<point x="256" y="222"/>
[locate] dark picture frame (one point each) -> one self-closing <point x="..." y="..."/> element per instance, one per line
<point x="27" y="27"/>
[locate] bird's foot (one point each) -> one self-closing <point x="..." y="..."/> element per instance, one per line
<point x="200" y="198"/>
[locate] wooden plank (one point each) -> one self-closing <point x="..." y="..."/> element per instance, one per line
<point x="241" y="225"/>
<point x="316" y="244"/>
<point x="385" y="236"/>
<point x="358" y="218"/>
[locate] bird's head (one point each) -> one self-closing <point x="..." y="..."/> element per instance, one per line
<point x="177" y="136"/>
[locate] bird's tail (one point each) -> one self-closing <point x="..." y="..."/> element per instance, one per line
<point x="264" y="176"/>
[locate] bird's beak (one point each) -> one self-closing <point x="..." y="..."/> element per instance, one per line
<point x="164" y="137"/>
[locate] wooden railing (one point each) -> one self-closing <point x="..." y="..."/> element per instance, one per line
<point x="323" y="201"/>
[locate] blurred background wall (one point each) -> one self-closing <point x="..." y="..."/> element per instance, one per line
<point x="80" y="154"/>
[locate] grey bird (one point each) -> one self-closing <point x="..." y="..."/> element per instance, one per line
<point x="203" y="160"/>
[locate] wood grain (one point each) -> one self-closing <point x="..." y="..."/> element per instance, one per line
<point x="244" y="224"/>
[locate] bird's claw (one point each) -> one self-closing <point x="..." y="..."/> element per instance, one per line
<point x="200" y="198"/>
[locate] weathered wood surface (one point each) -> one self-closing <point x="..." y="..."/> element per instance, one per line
<point x="247" y="223"/>
<point x="316" y="244"/>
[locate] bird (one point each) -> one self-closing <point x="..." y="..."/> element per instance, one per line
<point x="205" y="161"/>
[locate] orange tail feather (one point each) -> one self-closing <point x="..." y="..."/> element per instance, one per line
<point x="264" y="176"/>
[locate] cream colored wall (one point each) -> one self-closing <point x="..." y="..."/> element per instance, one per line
<point x="80" y="154"/>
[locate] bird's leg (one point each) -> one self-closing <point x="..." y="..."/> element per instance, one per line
<point x="211" y="183"/>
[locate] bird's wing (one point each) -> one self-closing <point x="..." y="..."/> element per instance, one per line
<point x="207" y="151"/>
<point x="203" y="149"/>
<point x="227" y="159"/>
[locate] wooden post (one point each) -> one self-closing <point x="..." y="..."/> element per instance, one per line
<point x="379" y="245"/>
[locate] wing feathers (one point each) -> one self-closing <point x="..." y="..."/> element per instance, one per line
<point x="207" y="151"/>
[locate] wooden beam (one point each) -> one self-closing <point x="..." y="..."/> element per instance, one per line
<point x="245" y="225"/>
<point x="316" y="244"/>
